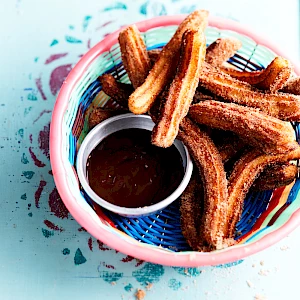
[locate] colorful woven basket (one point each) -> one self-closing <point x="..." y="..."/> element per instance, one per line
<point x="267" y="216"/>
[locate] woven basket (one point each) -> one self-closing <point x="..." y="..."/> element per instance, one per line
<point x="267" y="216"/>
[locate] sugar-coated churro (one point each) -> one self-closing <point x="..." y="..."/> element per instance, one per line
<point x="191" y="208"/>
<point x="246" y="169"/>
<point x="221" y="50"/>
<point x="260" y="130"/>
<point x="292" y="86"/>
<point x="182" y="89"/>
<point x="134" y="55"/>
<point x="119" y="91"/>
<point x="275" y="176"/>
<point x="100" y="114"/>
<point x="279" y="105"/>
<point x="209" y="163"/>
<point x="273" y="78"/>
<point x="164" y="68"/>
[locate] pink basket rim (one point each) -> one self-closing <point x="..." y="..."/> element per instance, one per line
<point x="186" y="259"/>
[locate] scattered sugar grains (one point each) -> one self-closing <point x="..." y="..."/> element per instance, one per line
<point x="140" y="294"/>
<point x="249" y="283"/>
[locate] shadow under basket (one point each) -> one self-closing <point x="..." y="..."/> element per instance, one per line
<point x="264" y="212"/>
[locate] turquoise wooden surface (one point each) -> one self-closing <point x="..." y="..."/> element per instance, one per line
<point x="44" y="253"/>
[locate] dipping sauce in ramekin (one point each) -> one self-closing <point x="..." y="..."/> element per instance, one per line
<point x="125" y="169"/>
<point x="122" y="171"/>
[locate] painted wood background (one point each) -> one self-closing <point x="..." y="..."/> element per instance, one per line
<point x="44" y="253"/>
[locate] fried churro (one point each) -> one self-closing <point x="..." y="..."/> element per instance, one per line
<point x="156" y="108"/>
<point x="100" y="114"/>
<point x="209" y="162"/>
<point x="273" y="78"/>
<point x="279" y="105"/>
<point x="182" y="89"/>
<point x="258" y="129"/>
<point x="275" y="176"/>
<point x="246" y="169"/>
<point x="221" y="50"/>
<point x="134" y="55"/>
<point x="292" y="86"/>
<point x="164" y="68"/>
<point x="118" y="91"/>
<point x="191" y="207"/>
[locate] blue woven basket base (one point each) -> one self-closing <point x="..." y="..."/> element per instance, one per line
<point x="163" y="228"/>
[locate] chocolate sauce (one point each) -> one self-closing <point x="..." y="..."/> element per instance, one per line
<point x="125" y="169"/>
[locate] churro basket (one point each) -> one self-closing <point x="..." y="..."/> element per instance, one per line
<point x="267" y="216"/>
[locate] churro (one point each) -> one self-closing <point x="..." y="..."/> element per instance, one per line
<point x="280" y="105"/>
<point x="275" y="176"/>
<point x="246" y="169"/>
<point x="182" y="89"/>
<point x="221" y="50"/>
<point x="164" y="68"/>
<point x="292" y="86"/>
<point x="134" y="55"/>
<point x="258" y="129"/>
<point x="273" y="78"/>
<point x="156" y="108"/>
<point x="100" y="114"/>
<point x="209" y="162"/>
<point x="118" y="91"/>
<point x="191" y="207"/>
